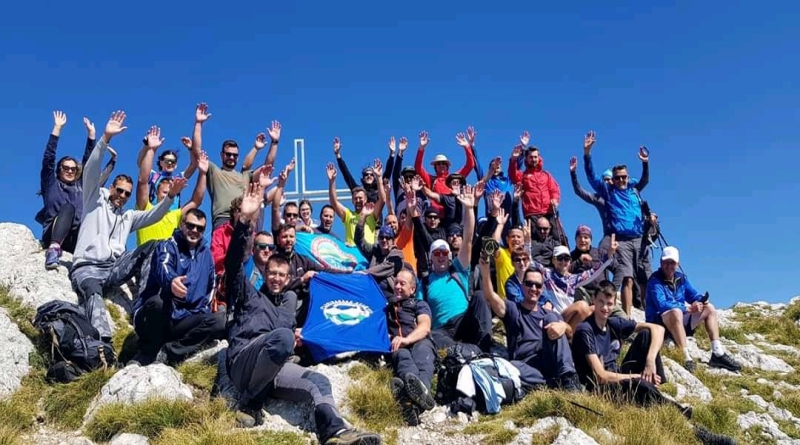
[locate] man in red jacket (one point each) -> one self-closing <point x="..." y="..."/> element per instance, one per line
<point x="540" y="191"/>
<point x="441" y="167"/>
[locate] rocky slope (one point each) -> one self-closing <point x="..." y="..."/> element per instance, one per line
<point x="762" y="402"/>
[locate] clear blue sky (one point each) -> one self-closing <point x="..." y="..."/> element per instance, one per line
<point x="710" y="88"/>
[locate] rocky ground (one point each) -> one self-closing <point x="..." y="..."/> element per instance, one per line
<point x="759" y="405"/>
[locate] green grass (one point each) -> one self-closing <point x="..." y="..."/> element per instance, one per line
<point x="66" y="404"/>
<point x="200" y="374"/>
<point x="21" y="314"/>
<point x="18" y="412"/>
<point x="223" y="432"/>
<point x="124" y="338"/>
<point x="493" y="432"/>
<point x="782" y="329"/>
<point x="371" y="401"/>
<point x="547" y="436"/>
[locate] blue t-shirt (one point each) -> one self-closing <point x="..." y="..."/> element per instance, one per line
<point x="589" y="339"/>
<point x="523" y="331"/>
<point x="446" y="297"/>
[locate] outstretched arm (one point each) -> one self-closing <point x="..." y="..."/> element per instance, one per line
<point x="469" y="197"/>
<point x="90" y="139"/>
<point x="418" y="164"/>
<point x="199" y="187"/>
<point x="153" y="140"/>
<point x="91" y="170"/>
<point x="142" y="218"/>
<point x="201" y="115"/>
<point x="644" y="156"/>
<point x="470" y="163"/>
<point x="48" y="174"/>
<point x="340" y="210"/>
<point x="346" y="175"/>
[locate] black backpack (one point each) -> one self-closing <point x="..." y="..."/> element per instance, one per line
<point x="75" y="345"/>
<point x="456" y="356"/>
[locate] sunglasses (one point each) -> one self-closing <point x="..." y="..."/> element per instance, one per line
<point x="620" y="177"/>
<point x="169" y="161"/>
<point x="440" y="253"/>
<point x="543" y="229"/>
<point x="191" y="226"/>
<point x="368" y="175"/>
<point x="265" y="246"/>
<point x="432" y="216"/>
<point x="124" y="193"/>
<point x="563" y="258"/>
<point x="67" y="169"/>
<point x="521" y="260"/>
<point x="230" y="155"/>
<point x="385" y="238"/>
<point x="531" y="283"/>
<point x="291" y="215"/>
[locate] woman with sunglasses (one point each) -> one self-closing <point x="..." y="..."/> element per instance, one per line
<point x="62" y="193"/>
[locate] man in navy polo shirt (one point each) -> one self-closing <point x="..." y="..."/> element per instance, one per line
<point x="538" y="344"/>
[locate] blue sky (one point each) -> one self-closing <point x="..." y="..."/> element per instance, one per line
<point x="710" y="88"/>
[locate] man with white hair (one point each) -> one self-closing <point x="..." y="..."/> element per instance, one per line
<point x="674" y="303"/>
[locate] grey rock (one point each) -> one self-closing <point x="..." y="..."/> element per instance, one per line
<point x="574" y="436"/>
<point x="129" y="439"/>
<point x="767" y="424"/>
<point x="687" y="384"/>
<point x="15" y="348"/>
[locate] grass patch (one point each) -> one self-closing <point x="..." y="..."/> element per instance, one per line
<point x="493" y="432"/>
<point x="720" y="415"/>
<point x="20" y="314"/>
<point x="65" y="404"/>
<point x="124" y="338"/>
<point x="18" y="412"/>
<point x="781" y="329"/>
<point x="669" y="388"/>
<point x="789" y="401"/>
<point x="371" y="401"/>
<point x="223" y="431"/>
<point x="547" y="436"/>
<point x="733" y="334"/>
<point x="200" y="374"/>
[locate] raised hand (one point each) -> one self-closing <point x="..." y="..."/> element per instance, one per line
<point x="89" y="127"/>
<point x="462" y="140"/>
<point x="527" y="230"/>
<point x="261" y="141"/>
<point x="282" y="177"/>
<point x="251" y="200"/>
<point x="202" y="162"/>
<point x="201" y="113"/>
<point x="589" y="140"/>
<point x="153" y="139"/>
<point x="518" y="189"/>
<point x="501" y="217"/>
<point x="178" y="184"/>
<point x="275" y="132"/>
<point x="377" y="167"/>
<point x="367" y="209"/>
<point x="525" y="138"/>
<point x="467" y="196"/>
<point x="573" y="164"/>
<point x="115" y="126"/>
<point x="411" y="197"/>
<point x="291" y="166"/>
<point x="264" y="177"/>
<point x="387" y="186"/>
<point x="403" y="144"/>
<point x="479" y="189"/>
<point x="187" y="142"/>
<point x="337" y="146"/>
<point x="59" y="118"/>
<point x="644" y="154"/>
<point x="392" y="146"/>
<point x="517" y="151"/>
<point x="497" y="199"/>
<point x="471" y="134"/>
<point x="496" y="162"/>
<point x="423" y="139"/>
<point x="331" y="170"/>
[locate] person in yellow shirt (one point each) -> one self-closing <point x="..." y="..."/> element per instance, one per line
<point x="359" y="196"/>
<point x="164" y="228"/>
<point x="517" y="237"/>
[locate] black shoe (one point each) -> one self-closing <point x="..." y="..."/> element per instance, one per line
<point x="570" y="383"/>
<point x="418" y="392"/>
<point x="724" y="361"/>
<point x="397" y="386"/>
<point x="689" y="366"/>
<point x="353" y="437"/>
<point x="250" y="415"/>
<point x="141" y="360"/>
<point x="410" y="412"/>
<point x="706" y="437"/>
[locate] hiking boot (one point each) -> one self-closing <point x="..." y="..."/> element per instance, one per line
<point x="410" y="412"/>
<point x="51" y="258"/>
<point x="689" y="366"/>
<point x="570" y="383"/>
<point x="706" y="437"/>
<point x="141" y="359"/>
<point x="397" y="386"/>
<point x="353" y="437"/>
<point x="724" y="361"/>
<point x="250" y="415"/>
<point x="418" y="392"/>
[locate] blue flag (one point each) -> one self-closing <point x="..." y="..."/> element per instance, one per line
<point x="329" y="252"/>
<point x="345" y="313"/>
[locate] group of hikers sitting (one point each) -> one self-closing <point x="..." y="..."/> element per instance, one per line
<point x="444" y="268"/>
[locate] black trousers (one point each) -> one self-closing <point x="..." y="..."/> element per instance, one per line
<point x="418" y="359"/>
<point x="61" y="230"/>
<point x="637" y="391"/>
<point x="474" y="326"/>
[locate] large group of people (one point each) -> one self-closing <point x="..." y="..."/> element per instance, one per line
<point x="445" y="269"/>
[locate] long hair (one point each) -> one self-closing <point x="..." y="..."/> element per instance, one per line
<point x="78" y="172"/>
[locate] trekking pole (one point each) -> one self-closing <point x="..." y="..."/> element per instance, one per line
<point x="563" y="237"/>
<point x="586" y="408"/>
<point x="665" y="244"/>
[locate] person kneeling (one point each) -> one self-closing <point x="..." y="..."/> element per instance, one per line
<point x="261" y="339"/>
<point x="174" y="309"/>
<point x="413" y="352"/>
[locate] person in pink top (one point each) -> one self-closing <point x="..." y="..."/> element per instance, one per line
<point x="441" y="166"/>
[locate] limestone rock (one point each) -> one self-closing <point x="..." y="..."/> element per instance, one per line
<point x="687" y="384"/>
<point x="769" y="428"/>
<point x="574" y="436"/>
<point x="135" y="384"/>
<point x="129" y="439"/>
<point x="15" y="348"/>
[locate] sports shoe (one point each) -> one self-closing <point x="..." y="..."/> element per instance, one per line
<point x="689" y="366"/>
<point x="397" y="386"/>
<point x="706" y="437"/>
<point x="570" y="383"/>
<point x="353" y="437"/>
<point x="51" y="258"/>
<point x="250" y="415"/>
<point x="410" y="411"/>
<point x="418" y="392"/>
<point x="724" y="361"/>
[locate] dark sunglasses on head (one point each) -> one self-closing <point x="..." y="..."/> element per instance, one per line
<point x="620" y="177"/>
<point x="68" y="169"/>
<point x="123" y="192"/>
<point x="563" y="258"/>
<point x="193" y="226"/>
<point x="531" y="283"/>
<point x="265" y="246"/>
<point x="292" y="215"/>
<point x="169" y="161"/>
<point x="230" y="155"/>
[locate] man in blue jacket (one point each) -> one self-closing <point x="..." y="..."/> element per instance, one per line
<point x="174" y="309"/>
<point x="624" y="213"/>
<point x="668" y="292"/>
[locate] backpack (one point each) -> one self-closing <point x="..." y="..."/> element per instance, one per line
<point x="75" y="345"/>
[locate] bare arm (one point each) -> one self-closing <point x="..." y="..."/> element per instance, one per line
<point x="495" y="302"/>
<point x="421" y="331"/>
<point x="340" y="210"/>
<point x="146" y="156"/>
<point x="200" y="186"/>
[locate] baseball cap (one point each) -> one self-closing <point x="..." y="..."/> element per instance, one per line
<point x="560" y="250"/>
<point x="607" y="174"/>
<point x="670" y="253"/>
<point x="455" y="229"/>
<point x="387" y="231"/>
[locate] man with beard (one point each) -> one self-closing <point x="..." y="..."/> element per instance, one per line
<point x="349" y="217"/>
<point x="326" y="218"/>
<point x="369" y="179"/>
<point x="441" y="166"/>
<point x="174" y="309"/>
<point x="540" y="191"/>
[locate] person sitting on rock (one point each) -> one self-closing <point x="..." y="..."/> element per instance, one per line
<point x="164" y="228"/>
<point x="668" y="293"/>
<point x="174" y="309"/>
<point x="100" y="260"/>
<point x="537" y="339"/>
<point x="261" y="339"/>
<point x="413" y="351"/>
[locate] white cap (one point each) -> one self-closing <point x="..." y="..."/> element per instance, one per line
<point x="440" y="158"/>
<point x="670" y="253"/>
<point x="439" y="244"/>
<point x="560" y="250"/>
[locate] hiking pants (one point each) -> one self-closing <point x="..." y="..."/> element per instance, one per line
<point x="61" y="230"/>
<point x="260" y="370"/>
<point x="418" y="359"/>
<point x="91" y="280"/>
<point x="181" y="338"/>
<point x="550" y="364"/>
<point x="474" y="326"/>
<point x="637" y="391"/>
